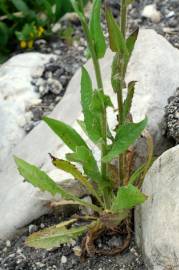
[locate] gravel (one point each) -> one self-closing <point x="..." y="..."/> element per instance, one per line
<point x="17" y="256"/>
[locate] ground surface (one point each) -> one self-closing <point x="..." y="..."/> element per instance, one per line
<point x="13" y="254"/>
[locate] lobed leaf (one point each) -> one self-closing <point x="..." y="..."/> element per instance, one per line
<point x="66" y="133"/>
<point x="127" y="197"/>
<point x="54" y="236"/>
<point x="126" y="135"/>
<point x="96" y="30"/>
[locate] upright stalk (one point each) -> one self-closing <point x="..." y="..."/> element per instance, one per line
<point x="121" y="64"/>
<point x="100" y="86"/>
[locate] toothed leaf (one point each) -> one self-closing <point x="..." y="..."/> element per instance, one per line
<point x="91" y="120"/>
<point x="126" y="135"/>
<point x="41" y="180"/>
<point x="70" y="168"/>
<point x="85" y="157"/>
<point x="54" y="236"/>
<point x="66" y="133"/>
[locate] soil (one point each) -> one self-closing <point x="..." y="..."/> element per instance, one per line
<point x="14" y="255"/>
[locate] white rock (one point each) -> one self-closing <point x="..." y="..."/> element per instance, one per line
<point x="8" y="243"/>
<point x="157" y="220"/>
<point x="152" y="13"/>
<point x="16" y="95"/>
<point x="157" y="74"/>
<point x="63" y="259"/>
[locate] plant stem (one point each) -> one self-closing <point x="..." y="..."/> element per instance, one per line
<point x="123" y="20"/>
<point x="104" y="117"/>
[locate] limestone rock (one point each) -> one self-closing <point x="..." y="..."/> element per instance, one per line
<point x="157" y="220"/>
<point x="152" y="13"/>
<point x="16" y="96"/>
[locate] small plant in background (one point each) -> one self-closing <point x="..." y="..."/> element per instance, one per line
<point x="22" y="22"/>
<point x="113" y="186"/>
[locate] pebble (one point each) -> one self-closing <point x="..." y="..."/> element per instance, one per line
<point x="33" y="228"/>
<point x="8" y="243"/>
<point x="63" y="259"/>
<point x="42" y="226"/>
<point x="152" y="13"/>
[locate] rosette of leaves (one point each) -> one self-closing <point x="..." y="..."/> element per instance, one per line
<point x="114" y="188"/>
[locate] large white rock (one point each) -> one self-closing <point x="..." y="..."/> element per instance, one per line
<point x="157" y="220"/>
<point x="16" y="95"/>
<point x="154" y="64"/>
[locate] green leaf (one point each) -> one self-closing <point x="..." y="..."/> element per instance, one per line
<point x="127" y="197"/>
<point x="116" y="74"/>
<point x="70" y="168"/>
<point x="116" y="39"/>
<point x="128" y="101"/>
<point x="54" y="236"/>
<point x="4" y="34"/>
<point x="20" y="5"/>
<point x="126" y="135"/>
<point x="23" y="7"/>
<point x="66" y="133"/>
<point x="40" y="179"/>
<point x="100" y="101"/>
<point x="58" y="10"/>
<point x="85" y="157"/>
<point x="96" y="30"/>
<point x="91" y="120"/>
<point x="131" y="40"/>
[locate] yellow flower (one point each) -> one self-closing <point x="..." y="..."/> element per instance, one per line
<point x="40" y="31"/>
<point x="23" y="44"/>
<point x="30" y="44"/>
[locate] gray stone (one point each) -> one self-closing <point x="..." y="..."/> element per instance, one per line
<point x="154" y="65"/>
<point x="157" y="220"/>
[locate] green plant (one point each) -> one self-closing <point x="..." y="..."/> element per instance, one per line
<point x="24" y="21"/>
<point x="114" y="188"/>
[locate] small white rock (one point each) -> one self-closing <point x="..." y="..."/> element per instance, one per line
<point x="33" y="228"/>
<point x="152" y="13"/>
<point x="63" y="259"/>
<point x="8" y="243"/>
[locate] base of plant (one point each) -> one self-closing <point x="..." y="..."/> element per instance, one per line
<point x="89" y="247"/>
